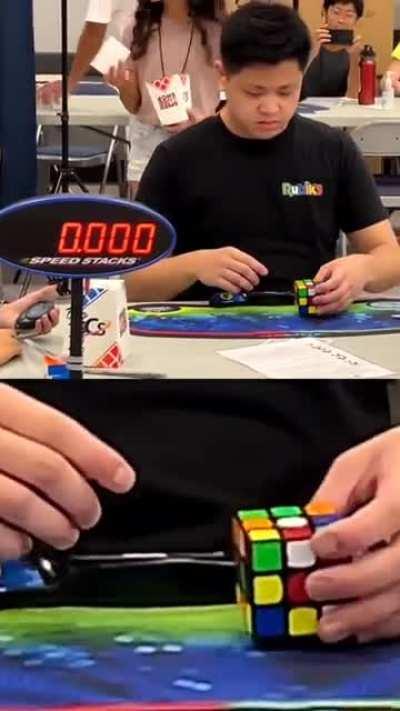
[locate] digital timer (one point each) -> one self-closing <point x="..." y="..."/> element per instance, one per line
<point x="74" y="236"/>
<point x="120" y="238"/>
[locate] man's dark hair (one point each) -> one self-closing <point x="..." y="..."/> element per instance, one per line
<point x="357" y="4"/>
<point x="264" y="34"/>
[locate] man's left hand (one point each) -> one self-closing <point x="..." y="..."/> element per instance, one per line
<point x="363" y="484"/>
<point x="341" y="281"/>
<point x="9" y="313"/>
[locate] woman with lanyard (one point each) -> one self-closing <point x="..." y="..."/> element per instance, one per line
<point x="170" y="37"/>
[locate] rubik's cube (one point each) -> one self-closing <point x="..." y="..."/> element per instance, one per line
<point x="304" y="290"/>
<point x="274" y="557"/>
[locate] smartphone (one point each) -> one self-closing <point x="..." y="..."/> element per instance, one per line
<point x="342" y="37"/>
<point x="26" y="321"/>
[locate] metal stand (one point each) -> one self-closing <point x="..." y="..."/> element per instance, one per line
<point x="75" y="360"/>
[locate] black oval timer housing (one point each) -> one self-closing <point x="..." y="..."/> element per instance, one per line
<point x="83" y="236"/>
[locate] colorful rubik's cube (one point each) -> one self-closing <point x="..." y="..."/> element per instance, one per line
<point x="274" y="556"/>
<point x="304" y="290"/>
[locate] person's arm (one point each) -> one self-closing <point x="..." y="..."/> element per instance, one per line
<point x="363" y="219"/>
<point x="124" y="78"/>
<point x="319" y="38"/>
<point x="227" y="268"/>
<point x="89" y="44"/>
<point x="379" y="245"/>
<point x="353" y="82"/>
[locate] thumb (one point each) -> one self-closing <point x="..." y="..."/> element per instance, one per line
<point x="324" y="273"/>
<point x="48" y="293"/>
<point x="351" y="485"/>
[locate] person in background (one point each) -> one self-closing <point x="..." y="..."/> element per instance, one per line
<point x="112" y="17"/>
<point x="170" y="37"/>
<point x="333" y="69"/>
<point x="394" y="68"/>
<point x="258" y="194"/>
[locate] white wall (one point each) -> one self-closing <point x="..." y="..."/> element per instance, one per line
<point x="47" y="14"/>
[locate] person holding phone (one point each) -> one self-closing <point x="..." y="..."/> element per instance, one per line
<point x="10" y="313"/>
<point x="333" y="67"/>
<point x="103" y="17"/>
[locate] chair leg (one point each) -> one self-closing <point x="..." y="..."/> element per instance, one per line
<point x="107" y="165"/>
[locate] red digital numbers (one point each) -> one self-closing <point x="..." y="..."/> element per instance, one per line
<point x="119" y="238"/>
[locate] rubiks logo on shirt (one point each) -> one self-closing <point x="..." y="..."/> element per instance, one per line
<point x="305" y="189"/>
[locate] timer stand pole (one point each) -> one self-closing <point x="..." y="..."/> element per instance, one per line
<point x="75" y="360"/>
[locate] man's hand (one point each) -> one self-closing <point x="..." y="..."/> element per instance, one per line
<point x="120" y="75"/>
<point x="49" y="94"/>
<point x="227" y="268"/>
<point x="340" y="282"/>
<point x="320" y="37"/>
<point x="47" y="464"/>
<point x="363" y="483"/>
<point x="9" y="313"/>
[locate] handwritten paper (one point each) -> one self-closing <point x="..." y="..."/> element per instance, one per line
<point x="304" y="358"/>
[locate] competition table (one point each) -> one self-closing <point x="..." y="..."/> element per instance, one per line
<point x="88" y="111"/>
<point x="109" y="111"/>
<point x="191" y="659"/>
<point x="198" y="357"/>
<point x="347" y="113"/>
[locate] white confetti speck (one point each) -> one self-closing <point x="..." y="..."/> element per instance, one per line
<point x="192" y="685"/>
<point x="172" y="648"/>
<point x="145" y="649"/>
<point x="33" y="662"/>
<point x="4" y="638"/>
<point x="124" y="639"/>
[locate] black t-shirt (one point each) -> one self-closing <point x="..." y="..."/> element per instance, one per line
<point x="204" y="449"/>
<point x="283" y="200"/>
<point x="327" y="74"/>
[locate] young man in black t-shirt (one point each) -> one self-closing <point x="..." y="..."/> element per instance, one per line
<point x="333" y="69"/>
<point x="258" y="196"/>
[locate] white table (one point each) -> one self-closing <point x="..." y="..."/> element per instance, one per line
<point x="88" y="111"/>
<point x="347" y="113"/>
<point x="109" y="111"/>
<point x="198" y="357"/>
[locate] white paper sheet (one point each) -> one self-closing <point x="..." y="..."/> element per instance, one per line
<point x="112" y="51"/>
<point x="304" y="358"/>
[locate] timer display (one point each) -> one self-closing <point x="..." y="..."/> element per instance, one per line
<point x="74" y="236"/>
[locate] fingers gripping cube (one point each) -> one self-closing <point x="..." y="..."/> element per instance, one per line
<point x="274" y="556"/>
<point x="304" y="290"/>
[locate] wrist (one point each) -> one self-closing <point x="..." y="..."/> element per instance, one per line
<point x="189" y="265"/>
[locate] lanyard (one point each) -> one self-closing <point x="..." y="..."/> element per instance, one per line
<point x="164" y="74"/>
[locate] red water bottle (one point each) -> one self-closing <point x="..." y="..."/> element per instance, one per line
<point x="368" y="71"/>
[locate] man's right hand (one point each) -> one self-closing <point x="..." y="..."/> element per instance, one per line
<point x="47" y="464"/>
<point x="321" y="36"/>
<point x="227" y="268"/>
